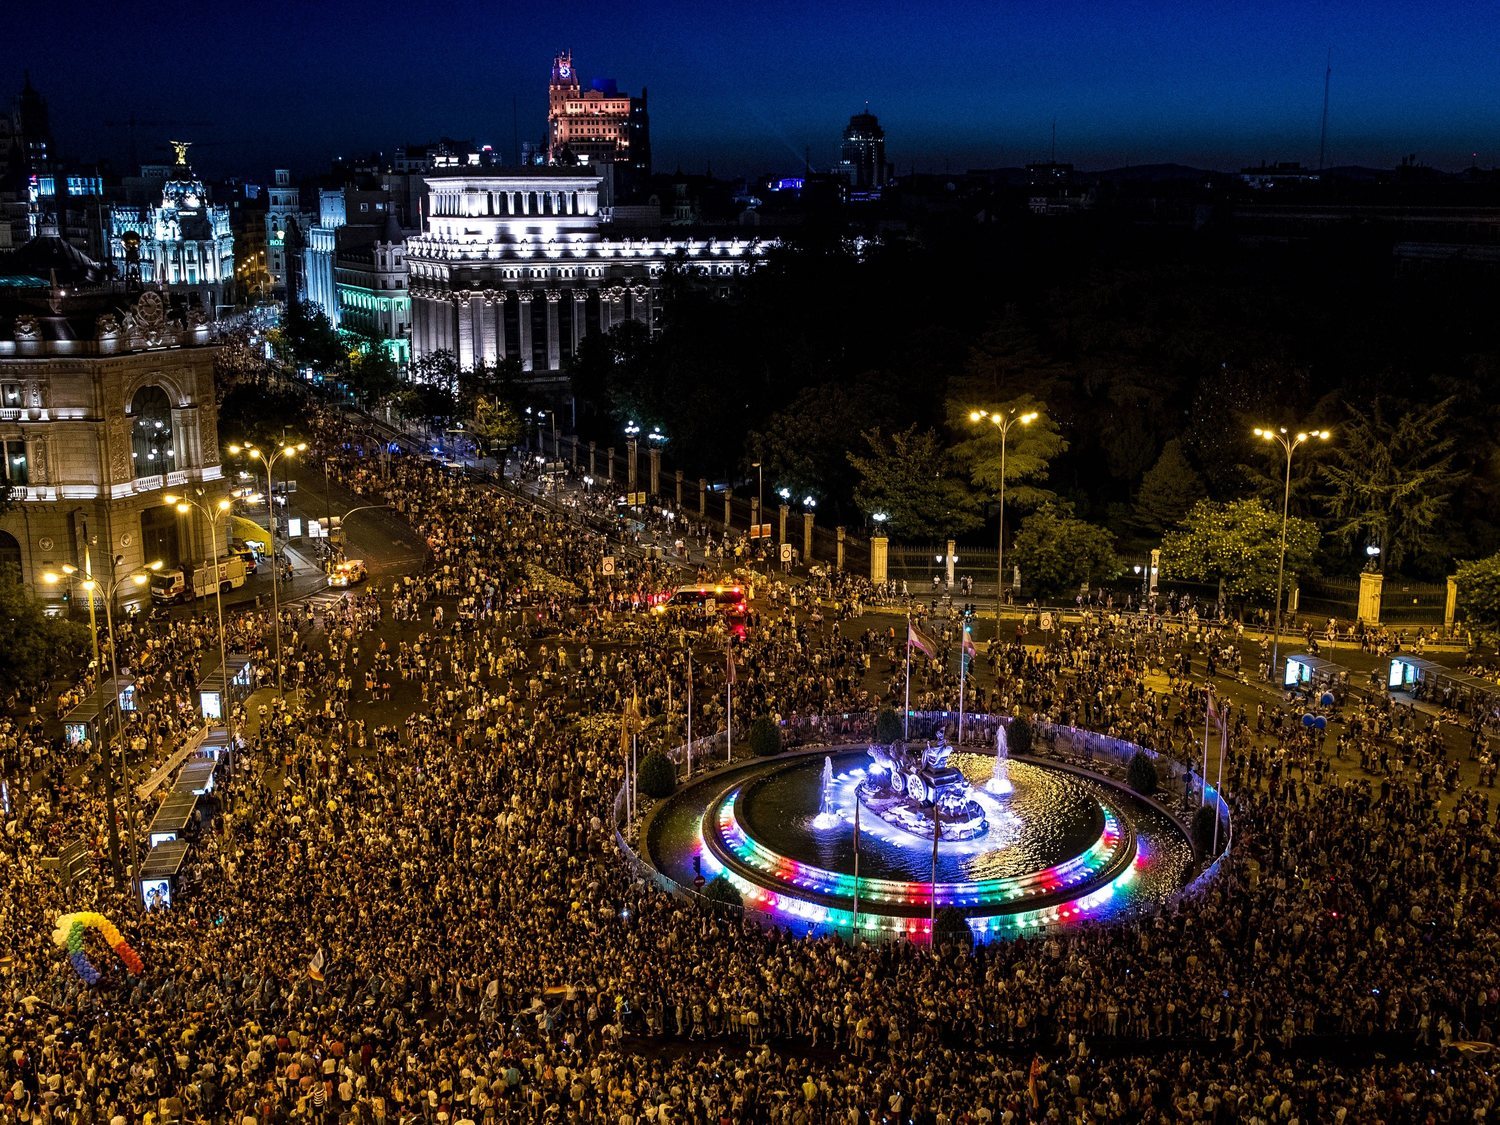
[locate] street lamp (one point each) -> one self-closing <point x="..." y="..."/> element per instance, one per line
<point x="184" y="505"/>
<point x="1002" y="420"/>
<point x="632" y="433"/>
<point x="139" y="576"/>
<point x="268" y="460"/>
<point x="1289" y="442"/>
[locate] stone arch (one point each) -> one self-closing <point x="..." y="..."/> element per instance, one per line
<point x="153" y="442"/>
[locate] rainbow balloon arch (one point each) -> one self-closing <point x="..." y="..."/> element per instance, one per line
<point x="1057" y="844"/>
<point x="69" y="934"/>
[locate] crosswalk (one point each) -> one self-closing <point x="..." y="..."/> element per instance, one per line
<point x="323" y="600"/>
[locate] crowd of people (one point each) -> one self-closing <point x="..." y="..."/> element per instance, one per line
<point x="413" y="904"/>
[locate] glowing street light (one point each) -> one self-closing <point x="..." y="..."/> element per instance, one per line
<point x="1290" y="443"/>
<point x="184" y="505"/>
<point x="1002" y="420"/>
<point x="268" y="460"/>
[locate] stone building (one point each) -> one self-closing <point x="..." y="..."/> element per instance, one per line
<point x="106" y="404"/>
<point x="182" y="244"/>
<point x="517" y="263"/>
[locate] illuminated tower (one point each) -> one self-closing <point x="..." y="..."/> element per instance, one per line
<point x="862" y="158"/>
<point x="597" y="125"/>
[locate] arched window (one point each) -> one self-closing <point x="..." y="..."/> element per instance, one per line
<point x="10" y="556"/>
<point x="152" y="451"/>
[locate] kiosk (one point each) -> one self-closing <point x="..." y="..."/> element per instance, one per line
<point x="173" y="817"/>
<point x="88" y="719"/>
<point x="217" y="690"/>
<point x="160" y="872"/>
<point x="1306" y="673"/>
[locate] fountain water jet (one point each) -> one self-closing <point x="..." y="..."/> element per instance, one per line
<point x="826" y="817"/>
<point x="999" y="783"/>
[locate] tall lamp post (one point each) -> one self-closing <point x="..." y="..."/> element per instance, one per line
<point x="1002" y="420"/>
<point x="632" y="433"/>
<point x="1290" y="443"/>
<point x="184" y="505"/>
<point x="268" y="460"/>
<point x="140" y="576"/>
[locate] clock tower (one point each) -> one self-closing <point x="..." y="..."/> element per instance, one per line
<point x="563" y="89"/>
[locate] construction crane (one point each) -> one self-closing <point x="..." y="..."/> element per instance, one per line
<point x="132" y="123"/>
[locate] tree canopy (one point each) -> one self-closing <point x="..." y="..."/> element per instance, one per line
<point x="1058" y="553"/>
<point x="907" y="476"/>
<point x="1237" y="544"/>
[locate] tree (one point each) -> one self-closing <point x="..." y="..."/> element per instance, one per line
<point x="1140" y="774"/>
<point x="1237" y="544"/>
<point x="721" y="891"/>
<point x="887" y="726"/>
<point x="307" y="338"/>
<point x="36" y="647"/>
<point x="1029" y="447"/>
<point x="1479" y="595"/>
<point x="1018" y="735"/>
<point x="658" y="776"/>
<point x="493" y="423"/>
<point x="373" y="377"/>
<point x="428" y="402"/>
<point x="438" y="369"/>
<point x="907" y="476"/>
<point x="1168" y="490"/>
<point x="1390" y="479"/>
<point x="764" y="737"/>
<point x="950" y="928"/>
<point x="1058" y="553"/>
<point x="803" y="446"/>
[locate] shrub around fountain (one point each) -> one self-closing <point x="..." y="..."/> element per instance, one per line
<point x="723" y="892"/>
<point x="765" y="737"/>
<point x="658" y="775"/>
<point x="1141" y="774"/>
<point x="1018" y="736"/>
<point x="950" y="928"/>
<point x="1203" y="830"/>
<point x="887" y="727"/>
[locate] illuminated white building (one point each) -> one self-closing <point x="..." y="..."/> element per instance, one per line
<point x="183" y="244"/>
<point x="516" y="263"/>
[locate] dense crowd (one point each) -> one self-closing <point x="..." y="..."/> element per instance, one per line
<point x="427" y="816"/>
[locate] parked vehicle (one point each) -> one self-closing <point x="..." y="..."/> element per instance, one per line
<point x="198" y="580"/>
<point x="348" y="573"/>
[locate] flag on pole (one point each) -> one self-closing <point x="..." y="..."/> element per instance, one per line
<point x="316" y="965"/>
<point x="920" y="641"/>
<point x="1215" y="716"/>
<point x="969" y="650"/>
<point x="729" y="665"/>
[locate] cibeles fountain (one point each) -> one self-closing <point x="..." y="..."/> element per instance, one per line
<point x="843" y="837"/>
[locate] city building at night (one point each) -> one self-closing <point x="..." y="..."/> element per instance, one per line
<point x="597" y="125"/>
<point x="106" y="404"/>
<point x="182" y="243"/>
<point x="862" y="155"/>
<point x="518" y="264"/>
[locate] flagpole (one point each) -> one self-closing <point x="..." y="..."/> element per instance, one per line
<point x="854" y="933"/>
<point x="906" y="710"/>
<point x="690" y="713"/>
<point x="937" y="830"/>
<point x="729" y="713"/>
<point x="1219" y="787"/>
<point x="963" y="669"/>
<point x="1203" y="784"/>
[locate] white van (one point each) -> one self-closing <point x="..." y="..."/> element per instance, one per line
<point x="173" y="586"/>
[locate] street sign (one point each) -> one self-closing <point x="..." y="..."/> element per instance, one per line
<point x="607" y="565"/>
<point x="760" y="531"/>
<point x="786" y="552"/>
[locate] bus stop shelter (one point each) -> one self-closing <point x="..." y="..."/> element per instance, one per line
<point x="1434" y="683"/>
<point x="88" y="719"/>
<point x="160" y="872"/>
<point x="173" y="816"/>
<point x="196" y="777"/>
<point x="1309" y="674"/>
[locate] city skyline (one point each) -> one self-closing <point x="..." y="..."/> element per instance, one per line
<point x="957" y="85"/>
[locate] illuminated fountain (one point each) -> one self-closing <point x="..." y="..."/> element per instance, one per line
<point x="827" y="817"/>
<point x="1021" y="845"/>
<point x="999" y="782"/>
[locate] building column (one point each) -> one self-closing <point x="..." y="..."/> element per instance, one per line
<point x="838" y="559"/>
<point x="593" y="448"/>
<point x="728" y="510"/>
<point x="501" y="349"/>
<point x="580" y="317"/>
<point x="807" y="538"/>
<point x="654" y="455"/>
<point x="523" y="296"/>
<point x="486" y="314"/>
<point x="879" y="556"/>
<point x="554" y="344"/>
<point x="604" y="317"/>
<point x="702" y="498"/>
<point x="609" y="464"/>
<point x="464" y="305"/>
<point x="679" y="490"/>
<point x="1370" y="583"/>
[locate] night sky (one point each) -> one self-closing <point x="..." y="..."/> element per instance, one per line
<point x="745" y="87"/>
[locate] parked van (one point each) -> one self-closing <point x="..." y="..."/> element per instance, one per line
<point x="174" y="586"/>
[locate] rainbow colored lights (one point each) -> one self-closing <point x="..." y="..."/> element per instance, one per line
<point x="1073" y="890"/>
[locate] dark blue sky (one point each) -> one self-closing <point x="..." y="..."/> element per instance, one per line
<point x="747" y="86"/>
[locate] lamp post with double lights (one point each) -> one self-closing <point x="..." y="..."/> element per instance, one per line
<point x="139" y="576"/>
<point x="184" y="505"/>
<point x="1002" y="420"/>
<point x="268" y="460"/>
<point x="632" y="434"/>
<point x="1290" y="443"/>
